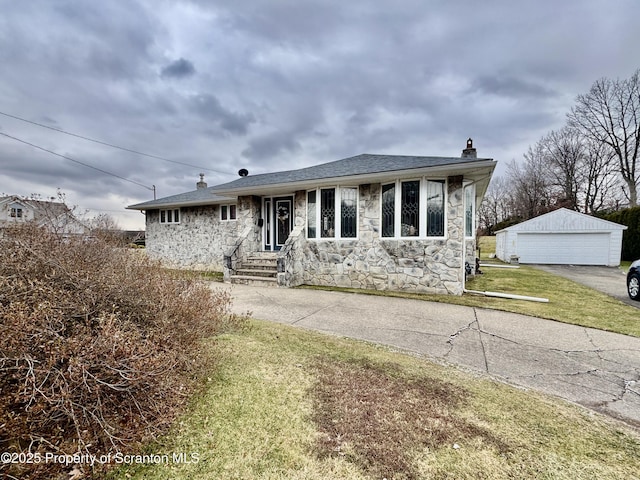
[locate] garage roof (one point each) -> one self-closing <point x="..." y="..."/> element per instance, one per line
<point x="564" y="220"/>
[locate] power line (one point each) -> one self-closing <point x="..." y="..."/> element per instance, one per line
<point x="152" y="188"/>
<point x="110" y="144"/>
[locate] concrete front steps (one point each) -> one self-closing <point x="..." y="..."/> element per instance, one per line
<point x="259" y="268"/>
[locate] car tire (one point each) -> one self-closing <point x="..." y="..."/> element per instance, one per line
<point x="633" y="286"/>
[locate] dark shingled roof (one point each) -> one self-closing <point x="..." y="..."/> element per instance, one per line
<point x="359" y="165"/>
<point x="365" y="164"/>
<point x="203" y="196"/>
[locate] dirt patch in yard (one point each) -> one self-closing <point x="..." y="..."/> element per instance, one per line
<point x="379" y="419"/>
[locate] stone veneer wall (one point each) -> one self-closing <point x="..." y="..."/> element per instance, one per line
<point x="198" y="242"/>
<point x="249" y="209"/>
<point x="291" y="258"/>
<point x="429" y="266"/>
<point x="248" y="238"/>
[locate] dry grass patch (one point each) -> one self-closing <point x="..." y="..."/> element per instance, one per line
<point x="377" y="418"/>
<point x="280" y="397"/>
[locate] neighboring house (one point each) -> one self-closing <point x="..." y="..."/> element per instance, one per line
<point x="55" y="216"/>
<point x="562" y="237"/>
<point x="384" y="222"/>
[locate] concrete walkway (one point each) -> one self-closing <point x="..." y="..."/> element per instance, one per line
<point x="596" y="369"/>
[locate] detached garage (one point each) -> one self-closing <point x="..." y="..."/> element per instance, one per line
<point x="562" y="237"/>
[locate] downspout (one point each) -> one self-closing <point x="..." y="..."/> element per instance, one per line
<point x="494" y="294"/>
<point x="508" y="295"/>
<point x="464" y="243"/>
<point x="491" y="294"/>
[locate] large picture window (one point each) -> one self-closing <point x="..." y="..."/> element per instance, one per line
<point x="414" y="208"/>
<point x="332" y="213"/>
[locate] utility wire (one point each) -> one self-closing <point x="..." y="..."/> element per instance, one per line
<point x="110" y="144"/>
<point x="78" y="162"/>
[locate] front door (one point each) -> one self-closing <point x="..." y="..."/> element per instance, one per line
<point x="278" y="215"/>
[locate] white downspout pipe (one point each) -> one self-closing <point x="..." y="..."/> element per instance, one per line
<point x="508" y="295"/>
<point x="490" y="294"/>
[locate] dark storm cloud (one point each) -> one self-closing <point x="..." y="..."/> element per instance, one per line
<point x="271" y="145"/>
<point x="85" y="39"/>
<point x="210" y="109"/>
<point x="178" y="69"/>
<point x="281" y="84"/>
<point x="509" y="86"/>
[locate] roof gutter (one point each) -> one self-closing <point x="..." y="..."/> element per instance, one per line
<point x="176" y="204"/>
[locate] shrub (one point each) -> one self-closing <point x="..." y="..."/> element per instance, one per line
<point x="631" y="237"/>
<point x="98" y="345"/>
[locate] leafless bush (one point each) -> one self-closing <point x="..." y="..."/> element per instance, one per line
<point x="99" y="347"/>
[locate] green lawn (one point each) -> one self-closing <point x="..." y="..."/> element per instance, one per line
<point x="284" y="403"/>
<point x="569" y="301"/>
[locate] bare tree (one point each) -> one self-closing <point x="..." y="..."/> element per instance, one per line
<point x="104" y="222"/>
<point x="531" y="195"/>
<point x="496" y="204"/>
<point x="610" y="114"/>
<point x="562" y="153"/>
<point x="601" y="178"/>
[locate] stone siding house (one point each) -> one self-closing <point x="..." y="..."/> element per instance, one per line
<point x="385" y="222"/>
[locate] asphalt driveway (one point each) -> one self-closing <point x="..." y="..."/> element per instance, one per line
<point x="609" y="280"/>
<point x="599" y="370"/>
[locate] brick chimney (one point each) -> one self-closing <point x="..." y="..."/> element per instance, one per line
<point x="201" y="184"/>
<point x="469" y="152"/>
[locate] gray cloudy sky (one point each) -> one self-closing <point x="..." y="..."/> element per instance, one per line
<point x="280" y="84"/>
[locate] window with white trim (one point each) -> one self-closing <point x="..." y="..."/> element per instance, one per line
<point x="312" y="220"/>
<point x="469" y="211"/>
<point x="16" y="212"/>
<point x="348" y="212"/>
<point x="435" y="208"/>
<point x="332" y="212"/>
<point x="170" y="215"/>
<point x="413" y="208"/>
<point x="228" y="212"/>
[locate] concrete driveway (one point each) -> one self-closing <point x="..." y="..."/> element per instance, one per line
<point x="599" y="370"/>
<point x="609" y="280"/>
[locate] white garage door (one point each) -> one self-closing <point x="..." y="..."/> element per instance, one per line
<point x="564" y="248"/>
